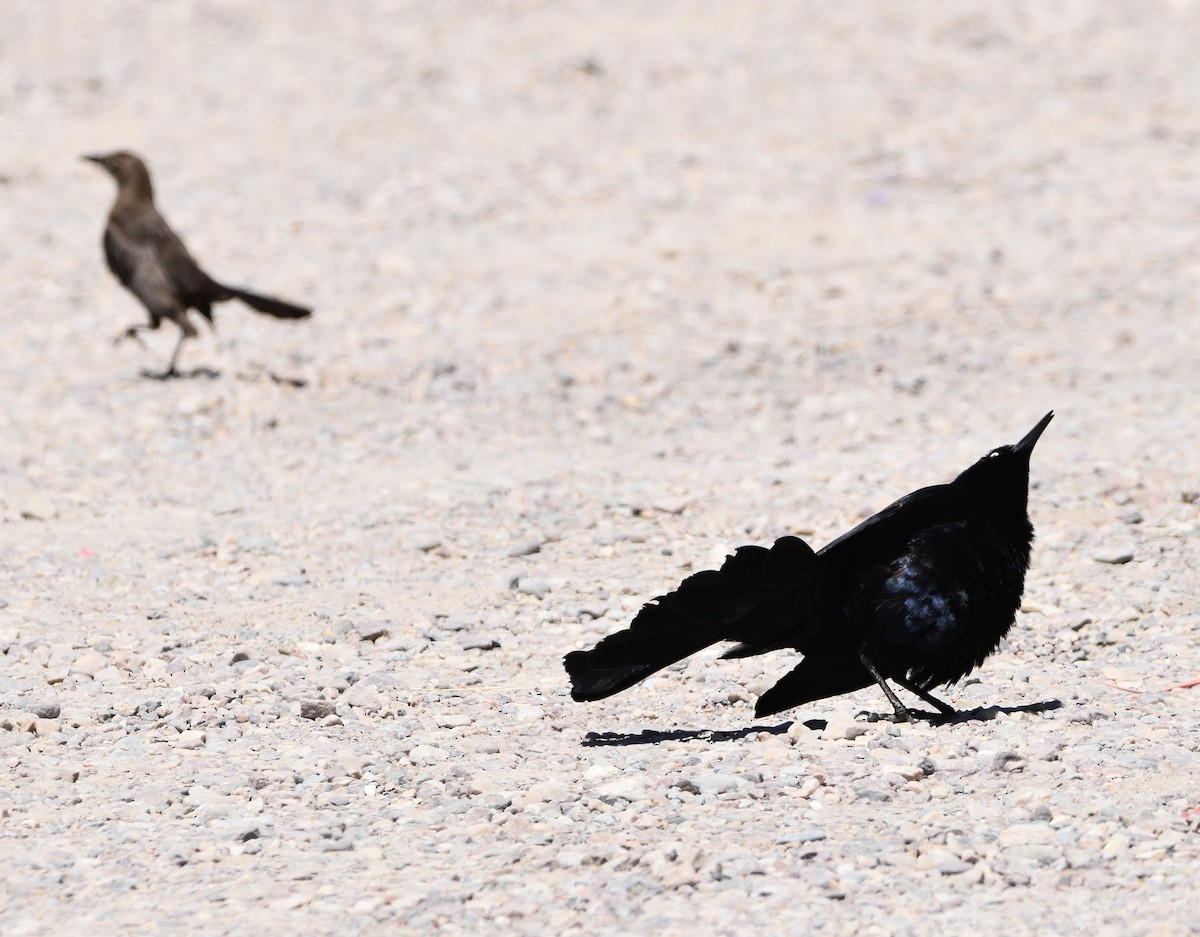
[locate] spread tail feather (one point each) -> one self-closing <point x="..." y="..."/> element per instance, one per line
<point x="626" y="658"/>
<point x="269" y="304"/>
<point x="750" y="599"/>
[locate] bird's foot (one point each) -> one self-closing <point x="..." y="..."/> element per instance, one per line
<point x="908" y="715"/>
<point x="131" y="332"/>
<point x="166" y="375"/>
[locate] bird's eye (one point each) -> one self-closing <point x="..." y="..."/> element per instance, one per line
<point x="993" y="453"/>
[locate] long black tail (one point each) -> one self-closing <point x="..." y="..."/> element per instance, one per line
<point x="269" y="304"/>
<point x="756" y="598"/>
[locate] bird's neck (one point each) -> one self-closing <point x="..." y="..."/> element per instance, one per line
<point x="136" y="190"/>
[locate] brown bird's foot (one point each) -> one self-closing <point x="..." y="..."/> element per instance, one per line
<point x="131" y="332"/>
<point x="166" y="375"/>
<point x="287" y="381"/>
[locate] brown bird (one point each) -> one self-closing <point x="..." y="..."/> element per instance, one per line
<point x="152" y="263"/>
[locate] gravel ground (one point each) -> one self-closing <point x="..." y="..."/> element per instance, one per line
<point x="603" y="290"/>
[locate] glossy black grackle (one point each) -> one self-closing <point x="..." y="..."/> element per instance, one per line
<point x="921" y="593"/>
<point x="152" y="263"/>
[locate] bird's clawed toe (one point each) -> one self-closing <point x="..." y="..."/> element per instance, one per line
<point x="131" y="332"/>
<point x="908" y="715"/>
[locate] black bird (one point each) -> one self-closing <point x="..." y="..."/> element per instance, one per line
<point x="152" y="263"/>
<point x="921" y="594"/>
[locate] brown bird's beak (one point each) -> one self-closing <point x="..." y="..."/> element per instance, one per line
<point x="93" y="158"/>
<point x="1026" y="444"/>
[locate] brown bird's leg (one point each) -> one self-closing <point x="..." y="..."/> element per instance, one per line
<point x="186" y="331"/>
<point x="944" y="708"/>
<point x="172" y="371"/>
<point x="902" y="714"/>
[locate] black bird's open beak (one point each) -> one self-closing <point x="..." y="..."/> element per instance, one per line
<point x="1026" y="445"/>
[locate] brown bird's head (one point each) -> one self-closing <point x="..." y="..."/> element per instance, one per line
<point x="128" y="169"/>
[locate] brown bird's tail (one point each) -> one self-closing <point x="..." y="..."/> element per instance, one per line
<point x="268" y="304"/>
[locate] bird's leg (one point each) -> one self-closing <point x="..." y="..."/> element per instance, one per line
<point x="944" y="708"/>
<point x="171" y="369"/>
<point x="902" y="714"/>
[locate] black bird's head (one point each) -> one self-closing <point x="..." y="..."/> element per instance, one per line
<point x="128" y="169"/>
<point x="1002" y="476"/>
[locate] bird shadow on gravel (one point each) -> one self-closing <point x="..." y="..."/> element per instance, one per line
<point x="988" y="713"/>
<point x="195" y="374"/>
<point x="654" y="737"/>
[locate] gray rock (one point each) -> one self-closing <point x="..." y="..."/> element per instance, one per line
<point x="1113" y="555"/>
<point x="316" y="709"/>
<point x="46" y="710"/>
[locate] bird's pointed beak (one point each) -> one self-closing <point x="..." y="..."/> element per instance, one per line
<point x="93" y="158"/>
<point x="1026" y="444"/>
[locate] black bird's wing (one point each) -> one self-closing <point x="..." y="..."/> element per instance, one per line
<point x="884" y="535"/>
<point x="861" y="560"/>
<point x="760" y="597"/>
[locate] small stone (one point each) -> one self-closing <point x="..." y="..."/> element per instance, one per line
<point x="316" y="709"/>
<point x="37" y="507"/>
<point x="478" y="643"/>
<point x="258" y="544"/>
<point x="46" y="710"/>
<point x="533" y="585"/>
<point x="802" y="836"/>
<point x="1114" y="556"/>
<point x="109" y="674"/>
<point x="364" y="696"/>
<point x="191" y="739"/>
<point x="843" y="725"/>
<point x="714" y="783"/>
<point x="1007" y="761"/>
<point x="526" y="548"/>
<point x="19" y="722"/>
<point x="89" y="663"/>
<point x="955" y="867"/>
<point x="424" y="540"/>
<point x="628" y="789"/>
<point x="425" y="755"/>
<point x="1027" y="834"/>
<point x="371" y="630"/>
